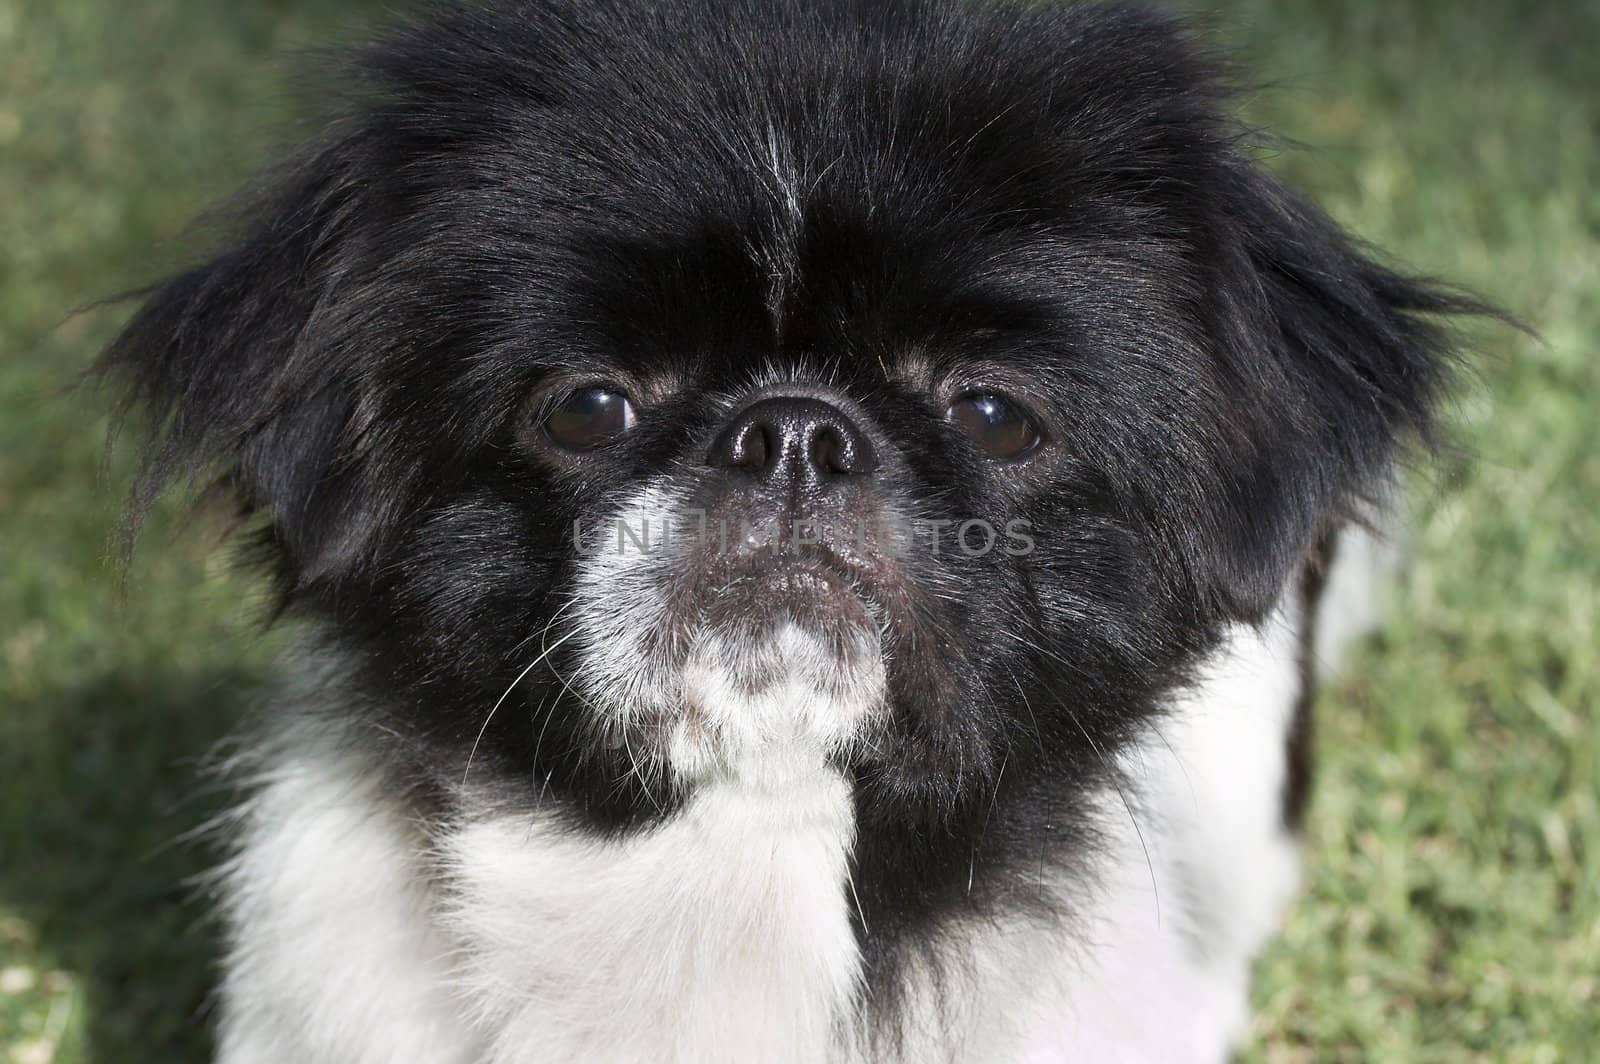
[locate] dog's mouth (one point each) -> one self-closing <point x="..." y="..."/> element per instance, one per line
<point x="812" y="591"/>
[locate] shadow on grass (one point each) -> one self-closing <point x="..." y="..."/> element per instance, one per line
<point x="103" y="785"/>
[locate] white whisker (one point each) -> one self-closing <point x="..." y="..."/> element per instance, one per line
<point x="501" y="700"/>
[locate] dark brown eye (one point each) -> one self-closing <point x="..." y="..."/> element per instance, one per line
<point x="1001" y="429"/>
<point x="588" y="418"/>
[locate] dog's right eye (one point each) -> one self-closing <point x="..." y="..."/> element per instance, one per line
<point x="1000" y="427"/>
<point x="589" y="418"/>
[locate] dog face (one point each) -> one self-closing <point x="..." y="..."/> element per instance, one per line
<point x="641" y="393"/>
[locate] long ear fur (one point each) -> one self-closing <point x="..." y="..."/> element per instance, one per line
<point x="1336" y="362"/>
<point x="234" y="362"/>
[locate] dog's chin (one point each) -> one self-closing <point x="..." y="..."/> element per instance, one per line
<point x="786" y="677"/>
<point x="788" y="696"/>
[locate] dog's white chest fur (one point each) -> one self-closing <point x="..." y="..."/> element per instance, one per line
<point x="725" y="933"/>
<point x="722" y="935"/>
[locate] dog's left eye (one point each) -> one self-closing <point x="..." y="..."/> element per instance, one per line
<point x="1000" y="427"/>
<point x="589" y="418"/>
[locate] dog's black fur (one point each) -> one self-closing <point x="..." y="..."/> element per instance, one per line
<point x="894" y="197"/>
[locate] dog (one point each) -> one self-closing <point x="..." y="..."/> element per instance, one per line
<point x="810" y="528"/>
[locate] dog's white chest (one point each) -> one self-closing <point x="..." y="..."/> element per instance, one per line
<point x="723" y="935"/>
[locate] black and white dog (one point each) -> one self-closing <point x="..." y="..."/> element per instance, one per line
<point x="807" y="518"/>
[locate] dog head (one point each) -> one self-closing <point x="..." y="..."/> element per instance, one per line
<point x="643" y="392"/>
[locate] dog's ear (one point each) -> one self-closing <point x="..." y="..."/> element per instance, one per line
<point x="237" y="365"/>
<point x="1330" y="363"/>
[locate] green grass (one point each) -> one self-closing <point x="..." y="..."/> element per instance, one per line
<point x="1453" y="901"/>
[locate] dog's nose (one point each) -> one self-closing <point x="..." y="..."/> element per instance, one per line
<point x="783" y="436"/>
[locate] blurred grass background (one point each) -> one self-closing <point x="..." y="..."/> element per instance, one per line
<point x="1453" y="902"/>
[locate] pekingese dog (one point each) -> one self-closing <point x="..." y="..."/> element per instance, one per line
<point x="808" y="521"/>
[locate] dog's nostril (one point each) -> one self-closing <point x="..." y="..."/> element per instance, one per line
<point x="847" y="454"/>
<point x="798" y="434"/>
<point x="751" y="449"/>
<point x="825" y="452"/>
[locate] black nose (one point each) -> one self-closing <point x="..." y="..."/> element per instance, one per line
<point x="798" y="435"/>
